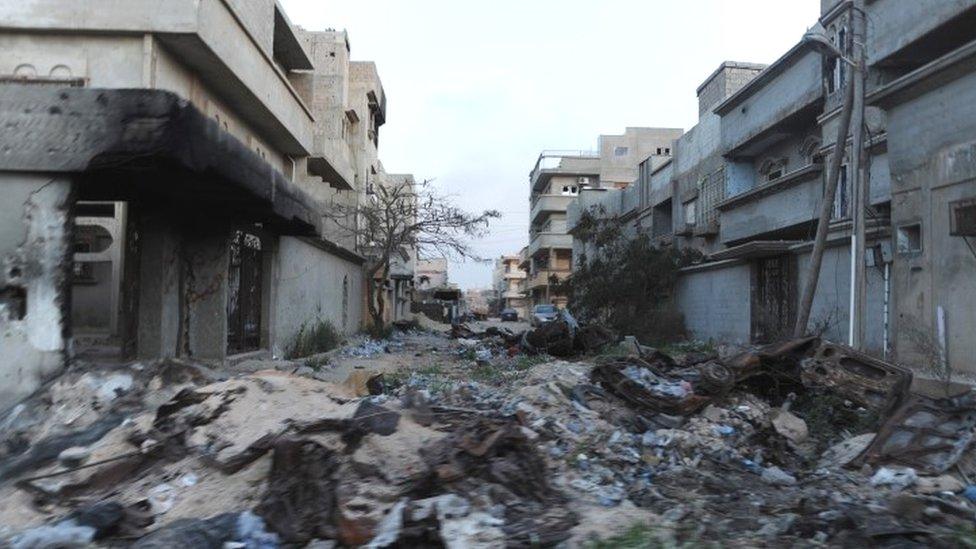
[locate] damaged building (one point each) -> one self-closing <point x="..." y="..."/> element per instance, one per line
<point x="745" y="187"/>
<point x="167" y="171"/>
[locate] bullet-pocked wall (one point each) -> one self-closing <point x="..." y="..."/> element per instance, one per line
<point x="35" y="243"/>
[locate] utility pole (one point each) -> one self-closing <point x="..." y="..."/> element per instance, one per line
<point x="816" y="38"/>
<point x="860" y="195"/>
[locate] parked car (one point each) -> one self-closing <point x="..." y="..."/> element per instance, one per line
<point x="542" y="314"/>
<point x="509" y="315"/>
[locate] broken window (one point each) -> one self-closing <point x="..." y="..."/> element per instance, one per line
<point x="910" y="239"/>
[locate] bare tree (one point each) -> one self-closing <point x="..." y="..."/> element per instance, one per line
<point x="398" y="216"/>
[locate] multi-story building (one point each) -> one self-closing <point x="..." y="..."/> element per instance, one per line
<point x="554" y="183"/>
<point x="556" y="180"/>
<point x="508" y="282"/>
<point x="198" y="147"/>
<point x="430" y="274"/>
<point x="746" y="185"/>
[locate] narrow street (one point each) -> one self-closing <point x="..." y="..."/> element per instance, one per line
<point x="428" y="440"/>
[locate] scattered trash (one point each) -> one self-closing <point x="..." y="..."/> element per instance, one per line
<point x="771" y="446"/>
<point x="927" y="434"/>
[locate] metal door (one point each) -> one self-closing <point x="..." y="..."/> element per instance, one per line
<point x="244" y="293"/>
<point x="773" y="299"/>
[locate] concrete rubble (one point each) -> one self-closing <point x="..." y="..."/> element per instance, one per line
<point x="471" y="441"/>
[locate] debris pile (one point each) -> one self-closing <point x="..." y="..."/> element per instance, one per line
<point x="804" y="440"/>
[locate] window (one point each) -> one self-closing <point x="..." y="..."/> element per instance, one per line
<point x="910" y="239"/>
<point x="659" y="151"/>
<point x="570" y="190"/>
<point x="620" y="151"/>
<point x="841" y="197"/>
<point x="962" y="217"/>
<point x="837" y="66"/>
<point x="773" y="168"/>
<point x="690" y="211"/>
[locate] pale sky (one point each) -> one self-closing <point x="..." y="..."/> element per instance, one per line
<point x="476" y="90"/>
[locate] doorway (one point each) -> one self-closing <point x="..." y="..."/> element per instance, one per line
<point x="244" y="285"/>
<point x="773" y="298"/>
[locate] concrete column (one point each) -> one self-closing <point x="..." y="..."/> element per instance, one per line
<point x="35" y="248"/>
<point x="205" y="292"/>
<point x="159" y="284"/>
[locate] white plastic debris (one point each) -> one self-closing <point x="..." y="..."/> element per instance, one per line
<point x="777" y="477"/>
<point x="897" y="478"/>
<point x="188" y="479"/>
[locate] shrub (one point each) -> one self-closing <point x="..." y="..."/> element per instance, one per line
<point x="629" y="282"/>
<point x="319" y="337"/>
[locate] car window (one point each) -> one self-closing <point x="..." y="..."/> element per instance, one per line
<point x="545" y="308"/>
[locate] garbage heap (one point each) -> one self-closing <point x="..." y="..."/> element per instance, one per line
<point x="802" y="443"/>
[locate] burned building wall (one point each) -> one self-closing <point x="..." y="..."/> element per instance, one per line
<point x="35" y="248"/>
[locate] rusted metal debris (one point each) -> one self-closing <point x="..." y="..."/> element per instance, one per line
<point x="867" y="381"/>
<point x="928" y="434"/>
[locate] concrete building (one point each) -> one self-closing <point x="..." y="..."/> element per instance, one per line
<point x="554" y="183"/>
<point x="558" y="178"/>
<point x="196" y="149"/>
<point x="430" y="273"/>
<point x="508" y="282"/>
<point x="745" y="187"/>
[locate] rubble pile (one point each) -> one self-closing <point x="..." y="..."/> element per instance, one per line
<point x="800" y="443"/>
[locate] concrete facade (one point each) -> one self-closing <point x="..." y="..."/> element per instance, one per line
<point x="508" y="282"/>
<point x="763" y="143"/>
<point x="224" y="247"/>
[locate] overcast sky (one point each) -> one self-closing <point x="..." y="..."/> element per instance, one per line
<point x="477" y="89"/>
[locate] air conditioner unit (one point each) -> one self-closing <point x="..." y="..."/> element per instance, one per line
<point x="583" y="181"/>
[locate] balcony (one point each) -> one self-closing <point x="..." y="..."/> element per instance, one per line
<point x="545" y="241"/>
<point x="782" y="100"/>
<point x="549" y="203"/>
<point x="571" y="163"/>
<point x="541" y="278"/>
<point x="231" y="58"/>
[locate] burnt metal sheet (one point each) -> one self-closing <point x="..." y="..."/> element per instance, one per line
<point x="928" y="434"/>
<point x="867" y="381"/>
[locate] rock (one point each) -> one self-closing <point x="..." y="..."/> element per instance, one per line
<point x="74" y="456"/>
<point x="934" y="485"/>
<point x="897" y="478"/>
<point x="842" y="453"/>
<point x="790" y="426"/>
<point x="777" y="477"/>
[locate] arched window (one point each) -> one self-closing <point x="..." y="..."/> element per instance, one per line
<point x="773" y="168"/>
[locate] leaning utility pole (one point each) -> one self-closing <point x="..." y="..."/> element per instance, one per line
<point x="860" y="195"/>
<point x="816" y="256"/>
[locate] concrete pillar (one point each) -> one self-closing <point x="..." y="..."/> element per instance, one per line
<point x="205" y="292"/>
<point x="35" y="248"/>
<point x="159" y="288"/>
